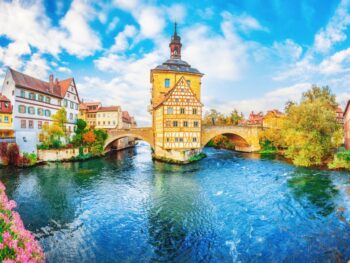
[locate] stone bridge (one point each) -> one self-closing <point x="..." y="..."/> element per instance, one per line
<point x="145" y="134"/>
<point x="245" y="138"/>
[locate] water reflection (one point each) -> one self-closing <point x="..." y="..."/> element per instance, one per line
<point x="317" y="188"/>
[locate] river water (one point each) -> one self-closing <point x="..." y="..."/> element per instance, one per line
<point x="229" y="207"/>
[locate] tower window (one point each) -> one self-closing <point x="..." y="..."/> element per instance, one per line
<point x="181" y="139"/>
<point x="194" y="139"/>
<point x="182" y="110"/>
<point x="167" y="83"/>
<point x="174" y="123"/>
<point x="185" y="123"/>
<point x="194" y="111"/>
<point x="195" y="124"/>
<point x="189" y="83"/>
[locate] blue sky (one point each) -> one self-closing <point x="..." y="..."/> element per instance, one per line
<point x="255" y="54"/>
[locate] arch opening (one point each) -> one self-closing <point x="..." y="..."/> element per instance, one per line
<point x="113" y="143"/>
<point x="228" y="140"/>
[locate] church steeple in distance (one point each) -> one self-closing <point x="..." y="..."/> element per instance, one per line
<point x="175" y="45"/>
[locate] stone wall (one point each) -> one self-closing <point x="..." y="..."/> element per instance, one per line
<point x="59" y="154"/>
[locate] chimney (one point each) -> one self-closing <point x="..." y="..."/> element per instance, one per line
<point x="51" y="83"/>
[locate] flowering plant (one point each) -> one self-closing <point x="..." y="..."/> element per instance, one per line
<point x="16" y="243"/>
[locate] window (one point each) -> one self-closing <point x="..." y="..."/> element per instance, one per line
<point x="170" y="110"/>
<point x="98" y="123"/>
<point x="195" y="124"/>
<point x="65" y="103"/>
<point x="168" y="124"/>
<point x="41" y="98"/>
<point x="194" y="111"/>
<point x="75" y="97"/>
<point x="40" y="112"/>
<point x="174" y="123"/>
<point x="185" y="123"/>
<point x="6" y="105"/>
<point x="176" y="99"/>
<point x="194" y="139"/>
<point x="71" y="105"/>
<point x="68" y="95"/>
<point x="103" y="123"/>
<point x="0" y="119"/>
<point x="182" y="110"/>
<point x="23" y="124"/>
<point x="71" y="116"/>
<point x="23" y="94"/>
<point x="189" y="83"/>
<point x="176" y="139"/>
<point x="40" y="125"/>
<point x="32" y="96"/>
<point x="6" y="119"/>
<point x="31" y="110"/>
<point x="181" y="139"/>
<point x="167" y="139"/>
<point x="167" y="83"/>
<point x="22" y="109"/>
<point x="109" y="122"/>
<point x="76" y="106"/>
<point x="47" y="99"/>
<point x="30" y="124"/>
<point x="47" y="113"/>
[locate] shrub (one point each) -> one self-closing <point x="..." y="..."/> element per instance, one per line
<point x="56" y="144"/>
<point x="23" y="161"/>
<point x="13" y="154"/>
<point x="43" y="146"/>
<point x="97" y="149"/>
<point x="18" y="244"/>
<point x="3" y="149"/>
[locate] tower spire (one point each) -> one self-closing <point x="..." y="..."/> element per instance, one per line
<point x="175" y="45"/>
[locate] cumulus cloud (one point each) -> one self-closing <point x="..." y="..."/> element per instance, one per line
<point x="64" y="70"/>
<point x="334" y="32"/>
<point x="37" y="66"/>
<point x="121" y="41"/>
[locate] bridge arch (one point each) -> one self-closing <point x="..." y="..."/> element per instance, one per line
<point x="144" y="134"/>
<point x="246" y="139"/>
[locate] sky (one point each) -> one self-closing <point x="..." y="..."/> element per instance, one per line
<point x="255" y="55"/>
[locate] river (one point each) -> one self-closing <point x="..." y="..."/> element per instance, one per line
<point x="229" y="207"/>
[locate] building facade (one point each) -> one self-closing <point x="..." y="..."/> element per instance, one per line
<point x="176" y="106"/>
<point x="108" y="117"/>
<point x="35" y="101"/>
<point x="7" y="133"/>
<point x="88" y="112"/>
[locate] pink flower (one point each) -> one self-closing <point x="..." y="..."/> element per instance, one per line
<point x="6" y="236"/>
<point x="10" y="205"/>
<point x="9" y="261"/>
<point x="2" y="186"/>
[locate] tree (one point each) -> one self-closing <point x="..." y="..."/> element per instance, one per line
<point x="213" y="117"/>
<point x="60" y="117"/>
<point x="80" y="126"/>
<point x="101" y="136"/>
<point x="234" y="117"/>
<point x="51" y="134"/>
<point x="89" y="137"/>
<point x="311" y="131"/>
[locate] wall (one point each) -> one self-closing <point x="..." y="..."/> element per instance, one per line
<point x="107" y="119"/>
<point x="59" y="154"/>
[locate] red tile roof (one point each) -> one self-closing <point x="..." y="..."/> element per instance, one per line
<point x="58" y="89"/>
<point x="339" y="110"/>
<point x="110" y="108"/>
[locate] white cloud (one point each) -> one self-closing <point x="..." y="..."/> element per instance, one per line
<point x="334" y="32"/>
<point x="275" y="99"/>
<point x="37" y="66"/>
<point x="244" y="22"/>
<point x="127" y="4"/>
<point x="151" y="22"/>
<point x="176" y="13"/>
<point x="288" y="50"/>
<point x="64" y="70"/>
<point x="121" y="41"/>
<point x="82" y="40"/>
<point x="112" y="24"/>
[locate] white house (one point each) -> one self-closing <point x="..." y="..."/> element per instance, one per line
<point x="34" y="101"/>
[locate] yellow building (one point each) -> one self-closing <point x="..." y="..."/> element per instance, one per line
<point x="88" y="111"/>
<point x="176" y="106"/>
<point x="273" y="119"/>
<point x="6" y="125"/>
<point x="108" y="117"/>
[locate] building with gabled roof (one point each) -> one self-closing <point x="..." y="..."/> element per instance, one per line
<point x="34" y="101"/>
<point x="176" y="106"/>
<point x="6" y="127"/>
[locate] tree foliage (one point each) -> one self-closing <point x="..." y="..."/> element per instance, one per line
<point x="60" y="118"/>
<point x="214" y="117"/>
<point x="310" y="131"/>
<point x="89" y="137"/>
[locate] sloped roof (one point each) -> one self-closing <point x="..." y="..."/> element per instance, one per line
<point x="168" y="94"/>
<point x="126" y="117"/>
<point x="29" y="82"/>
<point x="109" y="108"/>
<point x="4" y="98"/>
<point x="177" y="65"/>
<point x="339" y="110"/>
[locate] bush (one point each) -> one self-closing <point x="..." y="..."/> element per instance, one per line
<point x="56" y="144"/>
<point x="97" y="149"/>
<point x="13" y="154"/>
<point x="43" y="146"/>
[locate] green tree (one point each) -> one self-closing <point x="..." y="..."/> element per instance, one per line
<point x="311" y="131"/>
<point x="60" y="117"/>
<point x="213" y="117"/>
